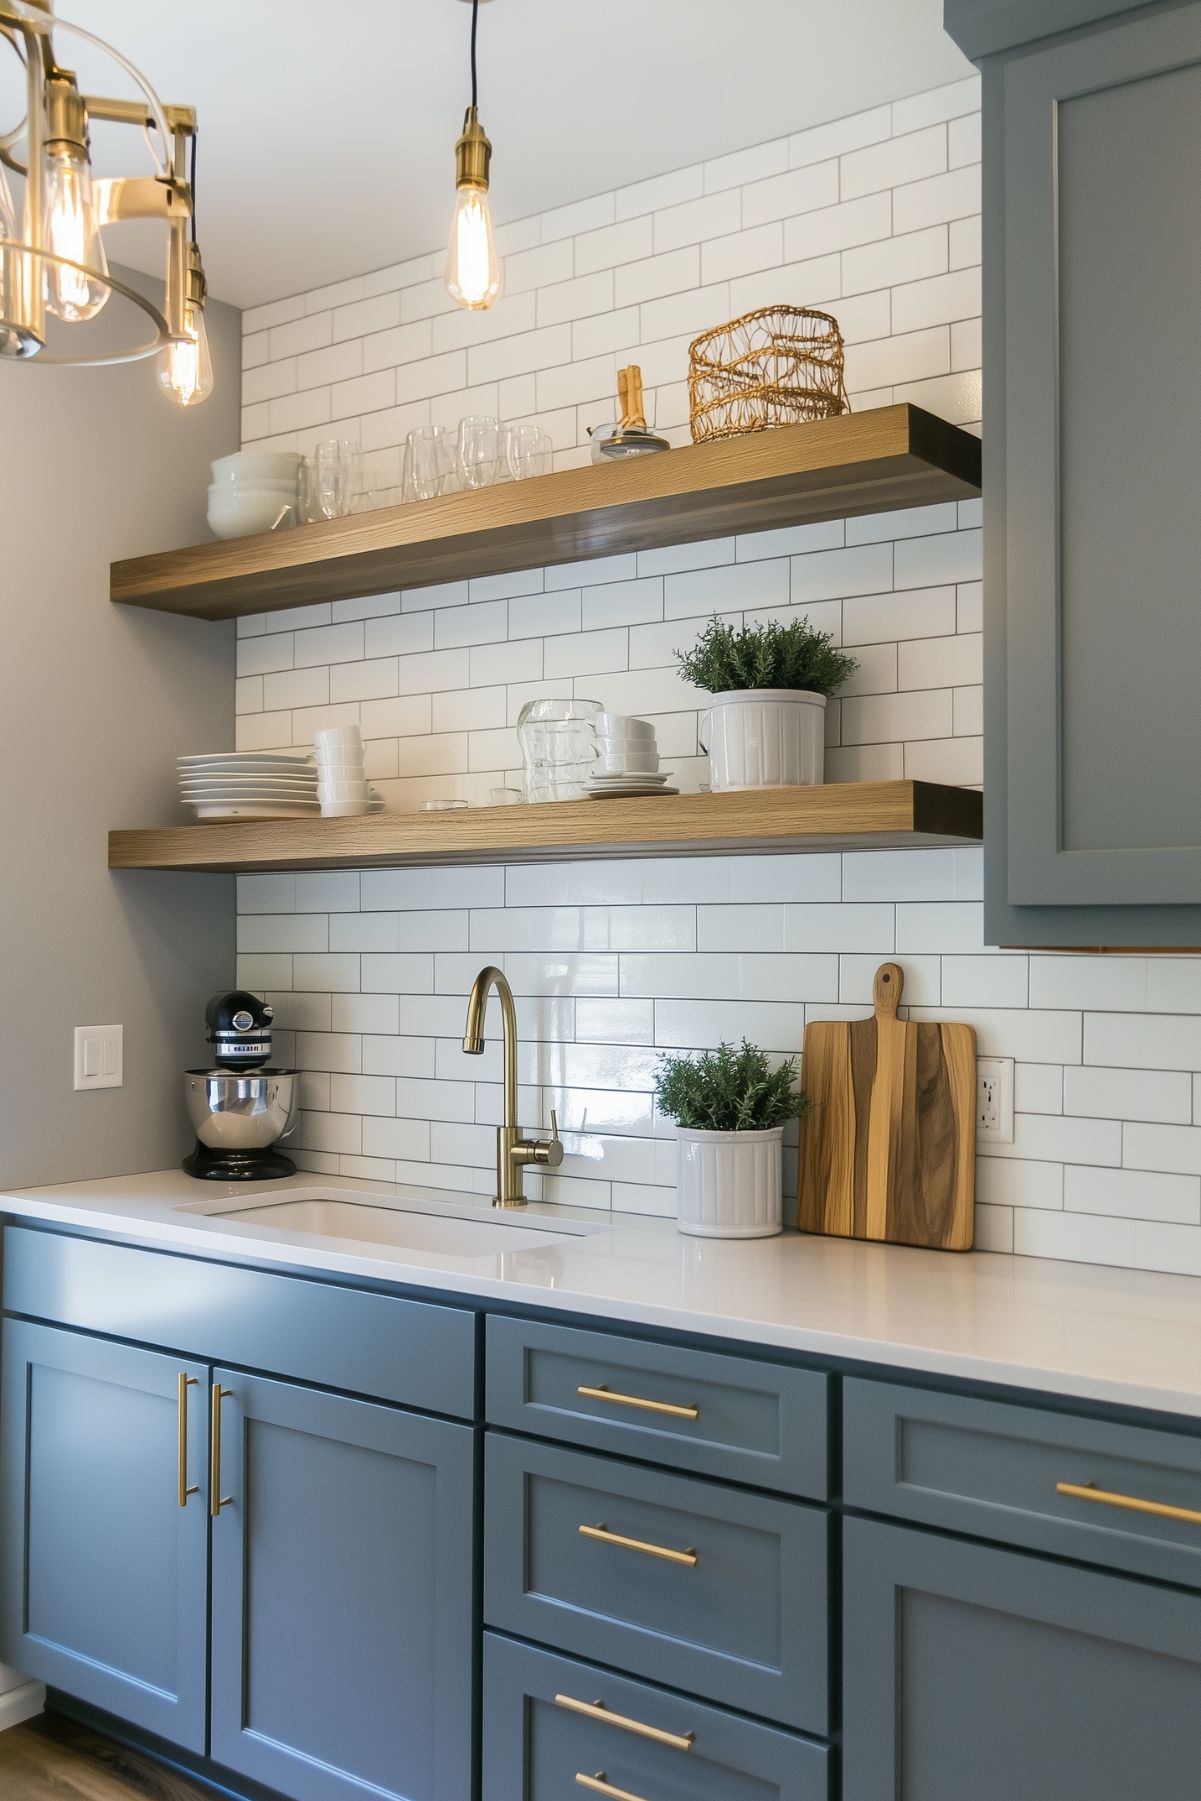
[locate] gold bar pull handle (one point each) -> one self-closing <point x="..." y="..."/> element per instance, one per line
<point x="599" y="1786"/>
<point x="596" y="1710"/>
<point x="183" y="1487"/>
<point x="217" y="1500"/>
<point x="1088" y="1491"/>
<point x="603" y="1536"/>
<point x="604" y="1393"/>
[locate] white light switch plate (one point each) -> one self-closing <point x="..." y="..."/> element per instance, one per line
<point x="99" y="1056"/>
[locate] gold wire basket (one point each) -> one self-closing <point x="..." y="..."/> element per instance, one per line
<point x="776" y="366"/>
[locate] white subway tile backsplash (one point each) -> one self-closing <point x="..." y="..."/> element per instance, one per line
<point x="876" y="218"/>
<point x="902" y="159"/>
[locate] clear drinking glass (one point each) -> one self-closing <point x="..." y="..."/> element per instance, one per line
<point x="332" y="478"/>
<point x="479" y="450"/>
<point x="558" y="747"/>
<point x="528" y="451"/>
<point x="427" y="462"/>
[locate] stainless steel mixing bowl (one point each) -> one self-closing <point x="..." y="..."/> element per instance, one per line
<point x="242" y="1111"/>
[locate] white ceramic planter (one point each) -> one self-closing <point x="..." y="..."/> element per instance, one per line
<point x="728" y="1184"/>
<point x="765" y="738"/>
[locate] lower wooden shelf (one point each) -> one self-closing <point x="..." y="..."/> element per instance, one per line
<point x="839" y="816"/>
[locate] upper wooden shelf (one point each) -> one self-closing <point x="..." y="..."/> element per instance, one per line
<point x="839" y="816"/>
<point x="894" y="456"/>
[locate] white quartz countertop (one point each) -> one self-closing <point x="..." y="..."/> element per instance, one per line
<point x="1077" y="1330"/>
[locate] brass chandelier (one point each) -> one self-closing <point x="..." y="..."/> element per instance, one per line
<point x="52" y="259"/>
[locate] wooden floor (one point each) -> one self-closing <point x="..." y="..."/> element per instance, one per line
<point x="53" y="1759"/>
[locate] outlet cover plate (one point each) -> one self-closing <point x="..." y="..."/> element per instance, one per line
<point x="99" y="1056"/>
<point x="994" y="1099"/>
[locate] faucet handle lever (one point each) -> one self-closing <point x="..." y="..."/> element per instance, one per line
<point x="549" y="1151"/>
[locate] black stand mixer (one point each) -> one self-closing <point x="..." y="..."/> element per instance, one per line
<point x="240" y="1109"/>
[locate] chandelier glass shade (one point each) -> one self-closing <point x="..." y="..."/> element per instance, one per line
<point x="54" y="272"/>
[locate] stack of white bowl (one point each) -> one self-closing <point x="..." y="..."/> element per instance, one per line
<point x="341" y="772"/>
<point x="627" y="758"/>
<point x="254" y="491"/>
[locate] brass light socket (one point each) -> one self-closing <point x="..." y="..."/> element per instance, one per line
<point x="473" y="153"/>
<point x="198" y="286"/>
<point x="66" y="114"/>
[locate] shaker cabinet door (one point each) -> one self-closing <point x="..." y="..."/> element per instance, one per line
<point x="104" y="1552"/>
<point x="342" y="1594"/>
<point x="975" y="1672"/>
<point x="1092" y="447"/>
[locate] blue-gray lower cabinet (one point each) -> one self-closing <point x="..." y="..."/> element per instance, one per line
<point x="342" y="1596"/>
<point x="104" y="1577"/>
<point x="554" y="1727"/>
<point x="970" y="1671"/>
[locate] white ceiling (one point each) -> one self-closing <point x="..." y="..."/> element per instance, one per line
<point x="327" y="134"/>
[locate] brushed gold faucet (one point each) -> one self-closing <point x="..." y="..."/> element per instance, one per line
<point x="513" y="1151"/>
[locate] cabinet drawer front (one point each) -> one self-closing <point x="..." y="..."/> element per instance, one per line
<point x="412" y="1352"/>
<point x="545" y="1725"/>
<point x="1008" y="1473"/>
<point x="712" y="1590"/>
<point x="759" y="1423"/>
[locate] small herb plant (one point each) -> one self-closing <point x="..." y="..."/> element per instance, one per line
<point x="731" y="1089"/>
<point x="727" y="658"/>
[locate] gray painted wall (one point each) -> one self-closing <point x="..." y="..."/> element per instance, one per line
<point x="96" y="701"/>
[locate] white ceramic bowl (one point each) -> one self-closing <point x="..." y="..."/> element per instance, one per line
<point x="341" y="791"/>
<point x="640" y="761"/>
<point x="244" y="465"/>
<point x="236" y="514"/>
<point x="343" y="809"/>
<point x="622" y="725"/>
<point x="630" y="744"/>
<point x="337" y="734"/>
<point x="341" y="769"/>
<point x="268" y="484"/>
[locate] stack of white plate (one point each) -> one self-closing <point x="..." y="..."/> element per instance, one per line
<point x="254" y="784"/>
<point x="249" y="784"/>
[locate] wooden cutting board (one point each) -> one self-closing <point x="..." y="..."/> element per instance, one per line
<point x="889" y="1149"/>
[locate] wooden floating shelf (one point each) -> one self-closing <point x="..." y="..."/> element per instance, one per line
<point x="840" y="816"/>
<point x="893" y="456"/>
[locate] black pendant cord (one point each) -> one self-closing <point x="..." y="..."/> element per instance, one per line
<point x="192" y="182"/>
<point x="475" y="18"/>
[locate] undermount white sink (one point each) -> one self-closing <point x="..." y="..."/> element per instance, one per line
<point x="402" y="1223"/>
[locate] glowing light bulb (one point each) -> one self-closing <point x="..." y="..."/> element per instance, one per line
<point x="472" y="265"/>
<point x="185" y="368"/>
<point x="70" y="231"/>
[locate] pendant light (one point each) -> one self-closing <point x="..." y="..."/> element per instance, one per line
<point x="52" y="257"/>
<point x="473" y="270"/>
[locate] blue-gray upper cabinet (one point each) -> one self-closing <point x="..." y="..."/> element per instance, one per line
<point x="342" y="1593"/>
<point x="103" y="1584"/>
<point x="973" y="1672"/>
<point x="1092" y="447"/>
<point x="762" y="1424"/>
<point x="707" y="1588"/>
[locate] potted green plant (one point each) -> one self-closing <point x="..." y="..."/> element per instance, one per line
<point x="731" y="1107"/>
<point x="766" y="725"/>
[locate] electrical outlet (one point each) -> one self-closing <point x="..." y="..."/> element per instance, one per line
<point x="994" y="1099"/>
<point x="99" y="1056"/>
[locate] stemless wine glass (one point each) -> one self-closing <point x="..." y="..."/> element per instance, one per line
<point x="479" y="450"/>
<point x="427" y="462"/>
<point x="332" y="477"/>
<point x="528" y="451"/>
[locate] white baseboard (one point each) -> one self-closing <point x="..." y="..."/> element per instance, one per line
<point x="18" y="1704"/>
